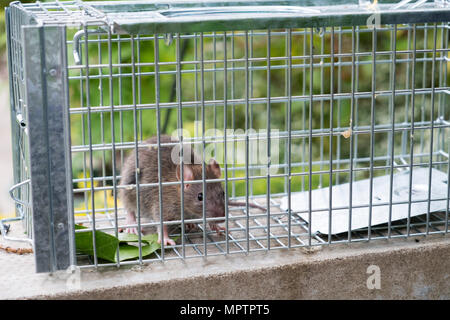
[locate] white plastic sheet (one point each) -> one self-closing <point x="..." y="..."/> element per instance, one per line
<point x="380" y="213"/>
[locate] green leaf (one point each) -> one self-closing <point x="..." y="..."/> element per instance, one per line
<point x="127" y="252"/>
<point x="107" y="245"/>
<point x="128" y="237"/>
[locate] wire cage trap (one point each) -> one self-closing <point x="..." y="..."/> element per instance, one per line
<point x="289" y="97"/>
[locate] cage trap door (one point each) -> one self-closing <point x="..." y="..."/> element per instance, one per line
<point x="46" y="87"/>
<point x="362" y="214"/>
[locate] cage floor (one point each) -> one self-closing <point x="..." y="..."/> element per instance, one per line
<point x="254" y="232"/>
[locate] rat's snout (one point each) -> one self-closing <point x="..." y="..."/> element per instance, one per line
<point x="217" y="212"/>
<point x="220" y="213"/>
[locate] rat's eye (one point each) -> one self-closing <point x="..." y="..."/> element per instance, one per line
<point x="223" y="194"/>
<point x="200" y="196"/>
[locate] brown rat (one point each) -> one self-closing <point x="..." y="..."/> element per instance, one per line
<point x="171" y="196"/>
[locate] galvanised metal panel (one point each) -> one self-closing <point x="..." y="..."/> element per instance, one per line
<point x="15" y="129"/>
<point x="150" y="17"/>
<point x="47" y="103"/>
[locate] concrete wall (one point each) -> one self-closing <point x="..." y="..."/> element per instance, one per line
<point x="408" y="270"/>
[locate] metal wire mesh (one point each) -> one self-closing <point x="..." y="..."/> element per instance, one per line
<point x="376" y="123"/>
<point x="293" y="109"/>
<point x="21" y="190"/>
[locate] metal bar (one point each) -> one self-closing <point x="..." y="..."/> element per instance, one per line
<point x="201" y="16"/>
<point x="158" y="133"/>
<point x="294" y="174"/>
<point x="311" y="93"/>
<point x="137" y="169"/>
<point x="442" y="75"/>
<point x="119" y="59"/>
<point x="289" y="141"/>
<point x="448" y="192"/>
<point x="233" y="114"/>
<point x="268" y="124"/>
<point x="276" y="214"/>
<point x="51" y="174"/>
<point x="278" y="33"/>
<point x="214" y="89"/>
<point x="247" y="212"/>
<point x="179" y="56"/>
<point x="339" y="104"/>
<point x="202" y="98"/>
<point x="330" y="183"/>
<point x="448" y="144"/>
<point x="353" y="144"/>
<point x="439" y="123"/>
<point x="423" y="104"/>
<point x="15" y="129"/>
<point x="303" y="150"/>
<point x="392" y="84"/>
<point x="372" y="122"/>
<point x="91" y="160"/>
<point x="407" y="83"/>
<point x="303" y="98"/>
<point x="196" y="83"/>
<point x="113" y="143"/>
<point x="138" y="74"/>
<point x="225" y="126"/>
<point x="411" y="136"/>
<point x="430" y="163"/>
<point x="256" y="68"/>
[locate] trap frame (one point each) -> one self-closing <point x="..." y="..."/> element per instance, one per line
<point x="299" y="95"/>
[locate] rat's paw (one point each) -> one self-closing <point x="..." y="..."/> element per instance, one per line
<point x="132" y="230"/>
<point x="217" y="228"/>
<point x="167" y="242"/>
<point x="190" y="227"/>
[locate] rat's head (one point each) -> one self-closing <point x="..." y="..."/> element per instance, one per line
<point x="193" y="192"/>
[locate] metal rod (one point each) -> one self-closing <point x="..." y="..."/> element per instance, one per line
<point x="330" y="183"/>
<point x="411" y="136"/>
<point x="392" y="102"/>
<point x="268" y="124"/>
<point x="158" y="133"/>
<point x="311" y="93"/>
<point x="372" y="121"/>
<point x="430" y="163"/>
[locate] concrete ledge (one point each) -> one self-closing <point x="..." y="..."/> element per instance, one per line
<point x="408" y="270"/>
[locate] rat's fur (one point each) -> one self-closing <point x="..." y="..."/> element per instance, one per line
<point x="171" y="195"/>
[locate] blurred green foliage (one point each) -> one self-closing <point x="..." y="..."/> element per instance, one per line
<point x="126" y="90"/>
<point x="2" y="33"/>
<point x="3" y="4"/>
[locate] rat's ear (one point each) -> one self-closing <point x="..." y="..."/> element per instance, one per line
<point x="188" y="174"/>
<point x="214" y="167"/>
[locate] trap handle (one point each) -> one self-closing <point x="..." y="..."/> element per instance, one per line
<point x="13" y="188"/>
<point x="20" y="207"/>
<point x="76" y="43"/>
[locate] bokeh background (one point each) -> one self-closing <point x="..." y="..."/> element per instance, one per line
<point x="100" y="96"/>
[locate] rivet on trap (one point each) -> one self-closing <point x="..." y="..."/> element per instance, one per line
<point x="52" y="72"/>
